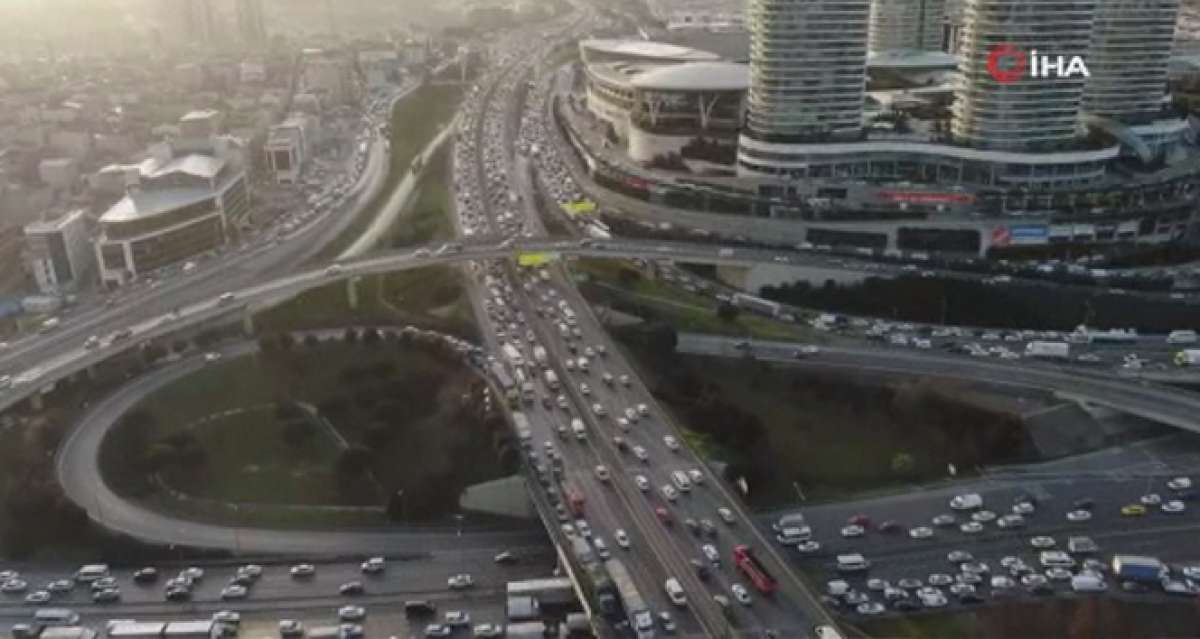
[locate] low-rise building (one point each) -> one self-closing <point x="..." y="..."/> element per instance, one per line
<point x="59" y="252"/>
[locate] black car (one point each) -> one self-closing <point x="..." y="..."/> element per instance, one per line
<point x="1087" y="503"/>
<point x="352" y="588"/>
<point x="145" y="575"/>
<point x="905" y="605"/>
<point x="177" y="594"/>
<point x="242" y="580"/>
<point x="701" y="569"/>
<point x="970" y="598"/>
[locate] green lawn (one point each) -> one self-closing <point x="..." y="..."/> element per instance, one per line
<point x="415" y="121"/>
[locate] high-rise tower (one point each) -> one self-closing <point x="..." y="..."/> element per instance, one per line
<point x="1131" y="46"/>
<point x="906" y="25"/>
<point x="251" y="24"/>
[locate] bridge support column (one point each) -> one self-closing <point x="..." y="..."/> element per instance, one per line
<point x="248" y="322"/>
<point x="90" y="373"/>
<point x="36" y="402"/>
<point x="352" y="292"/>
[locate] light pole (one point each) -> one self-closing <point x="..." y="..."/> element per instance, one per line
<point x="458" y="521"/>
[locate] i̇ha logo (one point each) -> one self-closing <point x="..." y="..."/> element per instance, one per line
<point x="1007" y="63"/>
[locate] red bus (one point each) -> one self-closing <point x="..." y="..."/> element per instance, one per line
<point x="744" y="557"/>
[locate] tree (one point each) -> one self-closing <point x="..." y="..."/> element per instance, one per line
<point x="311" y="341"/>
<point x="286" y="341"/>
<point x="352" y="462"/>
<point x="628" y="277"/>
<point x="179" y="346"/>
<point x="903" y="463"/>
<point x="350" y="336"/>
<point x="296" y="432"/>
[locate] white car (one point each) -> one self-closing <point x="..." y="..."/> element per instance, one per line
<point x="455" y="618"/>
<point x="1042" y="542"/>
<point x="640" y="453"/>
<point x="1079" y="515"/>
<point x="741" y="594"/>
<point x="971" y="528"/>
<point x="290" y="628"/>
<point x="624" y="380"/>
<point x="726" y="515"/>
<point x="853" y="530"/>
<point x="352" y="613"/>
<point x="983" y="516"/>
<point x="234" y="592"/>
<point x="460" y="582"/>
<point x="641" y="482"/>
<point x="1180" y="483"/>
<point x="602" y="473"/>
<point x="1174" y="506"/>
<point x="622" y="538"/>
<point x="669" y="492"/>
<point x="373" y="566"/>
<point x="643" y="410"/>
<point x="920" y="532"/>
<point x="1151" y="499"/>
<point x="711" y="554"/>
<point x="436" y="630"/>
<point x="303" y="570"/>
<point x="488" y="631"/>
<point x="671" y="442"/>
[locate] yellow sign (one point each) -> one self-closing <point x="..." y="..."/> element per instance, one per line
<point x="533" y="260"/>
<point x="580" y="207"/>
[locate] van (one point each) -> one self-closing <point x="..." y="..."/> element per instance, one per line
<point x="675" y="592"/>
<point x="419" y="608"/>
<point x="55" y="617"/>
<point x="852" y="563"/>
<point x="791" y="520"/>
<point x="91" y="572"/>
<point x="578" y="428"/>
<point x="1088" y="582"/>
<point x="681" y="481"/>
<point x="794" y="535"/>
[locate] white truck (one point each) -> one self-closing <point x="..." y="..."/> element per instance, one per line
<point x="514" y="357"/>
<point x="578" y="428"/>
<point x="1053" y="350"/>
<point x="540" y="356"/>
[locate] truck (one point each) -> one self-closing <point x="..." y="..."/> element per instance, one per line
<point x="551" y="380"/>
<point x="744" y="559"/>
<point x="528" y="392"/>
<point x="540" y="356"/>
<point x="1054" y="350"/>
<point x="512" y="355"/>
<point x="1148" y="570"/>
<point x="756" y="304"/>
<point x="636" y="611"/>
<point x="1188" y="357"/>
<point x="578" y="428"/>
<point x="574" y="499"/>
<point x="524" y="432"/>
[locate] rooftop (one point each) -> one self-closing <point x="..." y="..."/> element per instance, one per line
<point x="195" y="164"/>
<point x="204" y="114"/>
<point x="143" y="204"/>
<point x="911" y="60"/>
<point x="696" y="76"/>
<point x="53" y="226"/>
<point x="647" y="49"/>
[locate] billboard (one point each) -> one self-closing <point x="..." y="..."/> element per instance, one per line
<point x="926" y="197"/>
<point x="1020" y="235"/>
<point x="535" y="259"/>
<point x="579" y="207"/>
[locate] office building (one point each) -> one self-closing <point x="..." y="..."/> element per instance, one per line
<point x="288" y="147"/>
<point x="1131" y="48"/>
<point x="59" y="253"/>
<point x="906" y="25"/>
<point x="1030" y="114"/>
<point x="251" y="24"/>
<point x="807" y="72"/>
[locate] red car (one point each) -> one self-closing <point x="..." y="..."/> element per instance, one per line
<point x="891" y="527"/>
<point x="663" y="516"/>
<point x="859" y="520"/>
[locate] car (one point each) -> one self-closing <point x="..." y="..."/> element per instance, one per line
<point x="891" y="527"/>
<point x="1180" y="483"/>
<point x="622" y="538"/>
<point x="960" y="589"/>
<point x="234" y="592"/>
<point x="107" y="595"/>
<point x="227" y="617"/>
<point x="944" y="520"/>
<point x="877" y="584"/>
<point x="726" y="515"/>
<point x="806" y="547"/>
<point x="663" y="515"/>
<point x="971" y="528"/>
<point x="741" y="594"/>
<point x="1058" y="574"/>
<point x="60" y="586"/>
<point x="1133" y="510"/>
<point x="583" y="527"/>
<point x="855" y="598"/>
<point x="1080" y="515"/>
<point x="1042" y="542"/>
<point x="640" y="453"/>
<point x="959" y="556"/>
<point x="853" y="530"/>
<point x="487" y="631"/>
<point x="1011" y="521"/>
<point x="1085" y="503"/>
<point x="909" y="583"/>
<point x="668" y="624"/>
<point x="177" y="593"/>
<point x="1151" y="499"/>
<point x="38" y="597"/>
<point x="983" y="516"/>
<point x="351" y="613"/>
<point x="373" y="566"/>
<point x="434" y="630"/>
<point x="302" y="570"/>
<point x="643" y="410"/>
<point x="14" y="586"/>
<point x="940" y="579"/>
<point x="931" y="598"/>
<point x="692" y="525"/>
<point x="669" y="492"/>
<point x="671" y="442"/>
<point x="905" y="605"/>
<point x="290" y="628"/>
<point x="602" y="473"/>
<point x="641" y="482"/>
<point x="1023" y="508"/>
<point x="352" y="588"/>
<point x="104" y="582"/>
<point x="1001" y="582"/>
<point x="145" y="575"/>
<point x="1173" y="506"/>
<point x="711" y="554"/>
<point x="921" y="532"/>
<point x="1134" y="587"/>
<point x="460" y="581"/>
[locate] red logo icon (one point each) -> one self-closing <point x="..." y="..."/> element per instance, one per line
<point x="1007" y="63"/>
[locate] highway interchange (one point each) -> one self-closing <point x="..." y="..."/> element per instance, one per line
<point x="490" y="127"/>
